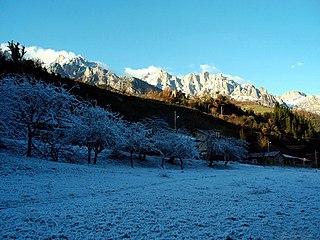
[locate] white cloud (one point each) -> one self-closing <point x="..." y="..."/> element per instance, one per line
<point x="45" y="55"/>
<point x="139" y="73"/>
<point x="298" y="64"/>
<point x="3" y="46"/>
<point x="209" y="69"/>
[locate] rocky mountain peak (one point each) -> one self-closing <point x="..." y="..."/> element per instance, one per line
<point x="93" y="73"/>
<point x="60" y="59"/>
<point x="78" y="60"/>
<point x="293" y="94"/>
<point x="77" y="67"/>
<point x="263" y="91"/>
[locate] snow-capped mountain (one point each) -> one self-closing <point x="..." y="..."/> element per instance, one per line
<point x="197" y="84"/>
<point x="300" y="100"/>
<point x="206" y="83"/>
<point x="93" y="73"/>
<point x="67" y="64"/>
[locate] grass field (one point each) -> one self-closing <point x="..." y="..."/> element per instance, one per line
<point x="257" y="108"/>
<point x="42" y="199"/>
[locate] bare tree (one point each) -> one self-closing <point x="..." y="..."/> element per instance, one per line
<point x="17" y="51"/>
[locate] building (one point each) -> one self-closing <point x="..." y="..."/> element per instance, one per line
<point x="267" y="158"/>
<point x="205" y="139"/>
<point x="296" y="161"/>
<point x="278" y="158"/>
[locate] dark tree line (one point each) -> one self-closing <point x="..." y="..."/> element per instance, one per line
<point x="292" y="123"/>
<point x="281" y="122"/>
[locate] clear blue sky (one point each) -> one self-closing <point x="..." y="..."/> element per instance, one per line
<point x="271" y="43"/>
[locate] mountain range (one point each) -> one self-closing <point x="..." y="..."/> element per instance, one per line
<point x="93" y="73"/>
<point x="77" y="67"/>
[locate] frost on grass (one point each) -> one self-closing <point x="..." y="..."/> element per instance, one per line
<point x="51" y="200"/>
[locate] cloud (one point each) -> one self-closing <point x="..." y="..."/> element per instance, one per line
<point x="139" y="73"/>
<point x="45" y="55"/>
<point x="209" y="69"/>
<point x="298" y="64"/>
<point x="3" y="46"/>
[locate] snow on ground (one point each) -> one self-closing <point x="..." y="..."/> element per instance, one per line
<point x="49" y="200"/>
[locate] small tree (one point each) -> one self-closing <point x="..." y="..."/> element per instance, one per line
<point x="262" y="142"/>
<point x="17" y="52"/>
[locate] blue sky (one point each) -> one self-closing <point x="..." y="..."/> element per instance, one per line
<point x="275" y="44"/>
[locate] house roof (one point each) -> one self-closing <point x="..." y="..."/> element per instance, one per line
<point x="296" y="158"/>
<point x="264" y="154"/>
<point x="213" y="132"/>
<point x="275" y="153"/>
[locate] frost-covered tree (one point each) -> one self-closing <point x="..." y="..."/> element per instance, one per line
<point x="230" y="149"/>
<point x="96" y="128"/>
<point x="175" y="145"/>
<point x="138" y="139"/>
<point x="185" y="146"/>
<point x="156" y="124"/>
<point x="28" y="107"/>
<point x="56" y="141"/>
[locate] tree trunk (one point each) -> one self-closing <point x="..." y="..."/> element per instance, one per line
<point x="171" y="160"/>
<point x="54" y="153"/>
<point x="89" y="153"/>
<point x="163" y="162"/>
<point x="211" y="157"/>
<point x="210" y="163"/>
<point x="131" y="159"/>
<point x="30" y="136"/>
<point x="95" y="157"/>
<point x="226" y="160"/>
<point x="97" y="148"/>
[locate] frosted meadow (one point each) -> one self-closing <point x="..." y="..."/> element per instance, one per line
<point x="50" y="200"/>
